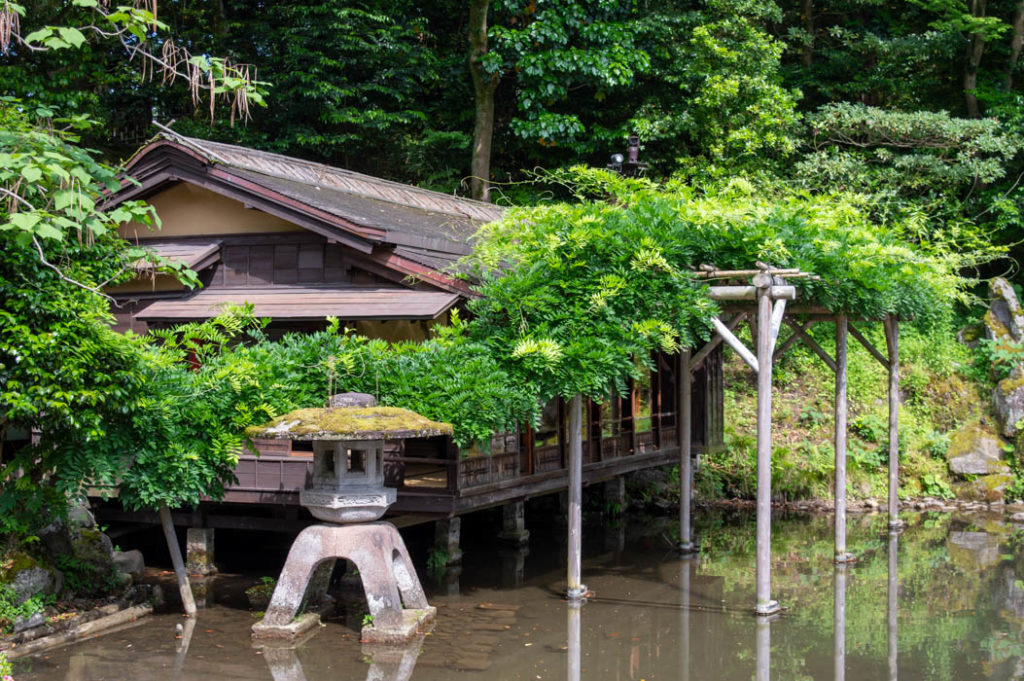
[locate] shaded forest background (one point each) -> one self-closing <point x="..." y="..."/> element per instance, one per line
<point x="917" y="104"/>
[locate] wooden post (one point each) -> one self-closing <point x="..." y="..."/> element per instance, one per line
<point x="576" y="590"/>
<point x="839" y="623"/>
<point x="179" y="565"/>
<point x="892" y="340"/>
<point x="841" y="555"/>
<point x="893" y="606"/>
<point x="686" y="544"/>
<point x="765" y="604"/>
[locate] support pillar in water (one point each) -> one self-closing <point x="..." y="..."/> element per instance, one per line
<point x="765" y="604"/>
<point x="686" y="543"/>
<point x="199" y="551"/>
<point x="447" y="536"/>
<point x="513" y="524"/>
<point x="614" y="493"/>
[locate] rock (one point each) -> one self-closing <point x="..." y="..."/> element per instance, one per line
<point x="1005" y="318"/>
<point x="1008" y="401"/>
<point x="353" y="400"/>
<point x="974" y="549"/>
<point x="37" y="619"/>
<point x="28" y="577"/>
<point x="131" y="562"/>
<point x="56" y="538"/>
<point x="1017" y="517"/>
<point x="79" y="515"/>
<point x="987" y="488"/>
<point x="976" y="450"/>
<point x="93" y="546"/>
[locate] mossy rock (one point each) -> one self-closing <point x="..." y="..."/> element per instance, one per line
<point x="93" y="546"/>
<point x="985" y="488"/>
<point x="349" y="423"/>
<point x="27" y="576"/>
<point x="976" y="450"/>
<point x="1008" y="401"/>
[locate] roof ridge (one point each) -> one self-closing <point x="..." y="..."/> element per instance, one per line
<point x="339" y="179"/>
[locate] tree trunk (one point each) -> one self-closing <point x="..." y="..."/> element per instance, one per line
<point x="484" y="85"/>
<point x="974" y="52"/>
<point x="179" y="565"/>
<point x="1016" y="43"/>
<point x="807" y="8"/>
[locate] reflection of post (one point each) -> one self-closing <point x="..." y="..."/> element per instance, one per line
<point x="573" y="630"/>
<point x="685" y="570"/>
<point x="181" y="650"/>
<point x="839" y="623"/>
<point x="513" y="567"/>
<point x="893" y="609"/>
<point x="764" y="649"/>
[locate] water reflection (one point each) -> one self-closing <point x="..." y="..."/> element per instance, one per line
<point x="574" y="610"/>
<point x="386" y="662"/>
<point x="955" y="614"/>
<point x="892" y="605"/>
<point x="839" y="622"/>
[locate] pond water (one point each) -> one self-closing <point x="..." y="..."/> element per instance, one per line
<point x="949" y="606"/>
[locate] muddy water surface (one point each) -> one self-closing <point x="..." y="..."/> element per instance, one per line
<point x="950" y="606"/>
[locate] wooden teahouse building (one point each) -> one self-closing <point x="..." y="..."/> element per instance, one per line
<point x="302" y="241"/>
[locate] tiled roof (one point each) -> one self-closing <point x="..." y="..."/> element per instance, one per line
<point x="310" y="302"/>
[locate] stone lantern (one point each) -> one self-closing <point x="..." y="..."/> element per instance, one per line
<point x="348" y="493"/>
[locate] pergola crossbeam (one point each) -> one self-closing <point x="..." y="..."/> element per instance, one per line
<point x="869" y="346"/>
<point x="735" y="343"/>
<point x="716" y="340"/>
<point x="812" y="344"/>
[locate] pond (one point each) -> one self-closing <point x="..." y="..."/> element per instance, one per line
<point x="942" y="600"/>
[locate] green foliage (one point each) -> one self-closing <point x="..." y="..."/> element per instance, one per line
<point x="11" y="610"/>
<point x="5" y="668"/>
<point x="84" y="579"/>
<point x="560" y="53"/>
<point x="716" y="90"/>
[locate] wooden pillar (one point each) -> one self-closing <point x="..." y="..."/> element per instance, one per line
<point x="685" y="421"/>
<point x="184" y="588"/>
<point x="839" y="623"/>
<point x="765" y="604"/>
<point x="841" y="554"/>
<point x="576" y="590"/>
<point x="893" y="606"/>
<point x="892" y="340"/>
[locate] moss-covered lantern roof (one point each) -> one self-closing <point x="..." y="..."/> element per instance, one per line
<point x="349" y="423"/>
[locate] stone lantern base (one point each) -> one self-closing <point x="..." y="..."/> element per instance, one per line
<point x="388" y="576"/>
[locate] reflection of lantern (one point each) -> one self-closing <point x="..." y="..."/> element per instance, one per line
<point x="348" y="453"/>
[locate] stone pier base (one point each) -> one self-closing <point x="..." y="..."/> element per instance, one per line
<point x="394" y="595"/>
<point x="447" y="535"/>
<point x="513" y="524"/>
<point x="199" y="551"/>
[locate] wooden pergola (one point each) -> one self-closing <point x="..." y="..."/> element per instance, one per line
<point x="762" y="298"/>
<point x="764" y="303"/>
